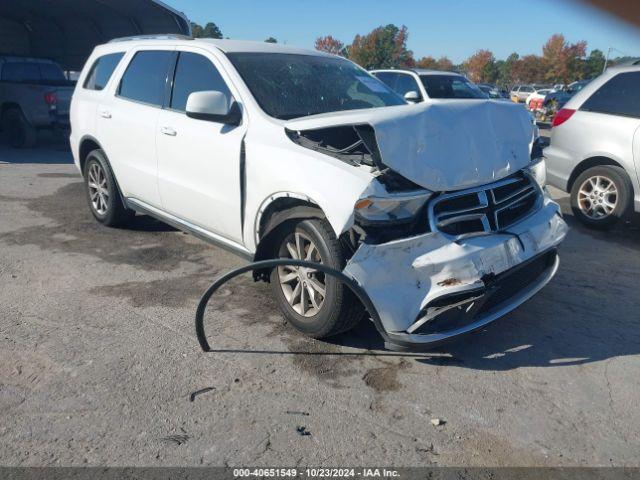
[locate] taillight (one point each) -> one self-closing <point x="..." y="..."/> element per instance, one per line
<point x="50" y="98"/>
<point x="562" y="116"/>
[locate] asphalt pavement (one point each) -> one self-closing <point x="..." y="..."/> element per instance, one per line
<point x="99" y="364"/>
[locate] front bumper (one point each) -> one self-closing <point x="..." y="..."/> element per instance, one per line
<point x="428" y="289"/>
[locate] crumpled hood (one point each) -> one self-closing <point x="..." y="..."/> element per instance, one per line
<point x="443" y="144"/>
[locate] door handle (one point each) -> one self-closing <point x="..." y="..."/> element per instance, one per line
<point x="105" y="114"/>
<point x="168" y="131"/>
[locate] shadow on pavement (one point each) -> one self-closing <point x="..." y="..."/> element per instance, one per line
<point x="50" y="149"/>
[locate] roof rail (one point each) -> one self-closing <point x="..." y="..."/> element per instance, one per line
<point x="164" y="36"/>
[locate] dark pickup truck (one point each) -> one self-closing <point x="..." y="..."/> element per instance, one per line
<point x="34" y="94"/>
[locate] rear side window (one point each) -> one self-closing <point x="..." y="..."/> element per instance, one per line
<point x="145" y="78"/>
<point x="20" y="72"/>
<point x="102" y="70"/>
<point x="194" y="73"/>
<point x="619" y="96"/>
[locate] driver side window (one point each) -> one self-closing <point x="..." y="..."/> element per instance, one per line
<point x="194" y="73"/>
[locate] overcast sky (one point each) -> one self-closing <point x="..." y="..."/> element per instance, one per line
<point x="455" y="28"/>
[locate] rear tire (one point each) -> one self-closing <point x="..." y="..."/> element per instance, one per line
<point x="601" y="196"/>
<point x="17" y="131"/>
<point x="103" y="193"/>
<point x="312" y="313"/>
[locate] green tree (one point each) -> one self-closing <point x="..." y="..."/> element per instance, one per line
<point x="271" y="40"/>
<point x="594" y="64"/>
<point x="505" y="70"/>
<point x="383" y="47"/>
<point x="210" y="30"/>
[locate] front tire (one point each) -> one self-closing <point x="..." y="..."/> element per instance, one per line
<point x="316" y="304"/>
<point x="103" y="194"/>
<point x="601" y="196"/>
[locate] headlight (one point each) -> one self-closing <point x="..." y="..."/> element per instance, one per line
<point x="399" y="207"/>
<point x="538" y="169"/>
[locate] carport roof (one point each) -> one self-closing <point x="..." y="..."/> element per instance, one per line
<point x="67" y="30"/>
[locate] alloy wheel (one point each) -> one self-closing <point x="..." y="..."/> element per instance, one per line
<point x="98" y="189"/>
<point x="303" y="288"/>
<point x="597" y="197"/>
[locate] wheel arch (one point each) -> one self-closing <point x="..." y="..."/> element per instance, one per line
<point x="9" y="106"/>
<point x="88" y="144"/>
<point x="588" y="163"/>
<point x="278" y="210"/>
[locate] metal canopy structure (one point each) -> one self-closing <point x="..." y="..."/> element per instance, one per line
<point x="67" y="30"/>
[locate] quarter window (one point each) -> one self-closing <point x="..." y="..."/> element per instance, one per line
<point x="146" y="76"/>
<point x="619" y="96"/>
<point x="194" y="73"/>
<point x="102" y="70"/>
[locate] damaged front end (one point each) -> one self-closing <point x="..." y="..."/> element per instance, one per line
<point x="431" y="287"/>
<point x="456" y="229"/>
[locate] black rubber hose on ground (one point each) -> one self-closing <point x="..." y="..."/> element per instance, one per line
<point x="280" y="262"/>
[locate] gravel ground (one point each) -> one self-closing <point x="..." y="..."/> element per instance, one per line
<point x="99" y="363"/>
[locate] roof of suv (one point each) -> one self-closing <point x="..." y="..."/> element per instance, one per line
<point x="227" y="46"/>
<point x="418" y="71"/>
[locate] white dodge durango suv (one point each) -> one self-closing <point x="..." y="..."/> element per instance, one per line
<point x="436" y="210"/>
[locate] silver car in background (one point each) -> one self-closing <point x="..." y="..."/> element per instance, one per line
<point x="595" y="148"/>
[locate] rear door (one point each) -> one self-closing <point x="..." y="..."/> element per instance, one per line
<point x="198" y="160"/>
<point x="127" y="119"/>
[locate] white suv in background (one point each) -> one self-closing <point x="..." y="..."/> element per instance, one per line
<point x="274" y="151"/>
<point x="419" y="85"/>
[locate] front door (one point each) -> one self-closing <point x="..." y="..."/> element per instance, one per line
<point x="199" y="160"/>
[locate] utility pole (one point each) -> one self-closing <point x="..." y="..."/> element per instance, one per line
<point x="606" y="59"/>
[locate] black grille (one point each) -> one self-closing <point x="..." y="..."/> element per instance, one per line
<point x="491" y="208"/>
<point x="504" y="286"/>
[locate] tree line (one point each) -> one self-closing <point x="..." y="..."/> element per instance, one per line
<point x="560" y="62"/>
<point x="386" y="47"/>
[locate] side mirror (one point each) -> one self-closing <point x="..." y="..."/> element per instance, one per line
<point x="213" y="106"/>
<point x="412" y="96"/>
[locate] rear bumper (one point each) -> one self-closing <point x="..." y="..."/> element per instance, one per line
<point x="559" y="164"/>
<point x="429" y="289"/>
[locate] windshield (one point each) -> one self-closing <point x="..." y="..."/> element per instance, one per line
<point x="450" y="86"/>
<point x="290" y="85"/>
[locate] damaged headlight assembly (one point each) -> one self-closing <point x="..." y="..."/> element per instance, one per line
<point x="398" y="208"/>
